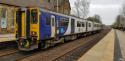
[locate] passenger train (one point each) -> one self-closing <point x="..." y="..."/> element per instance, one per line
<point x="40" y="28"/>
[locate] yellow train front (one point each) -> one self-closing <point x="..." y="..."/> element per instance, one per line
<point x="27" y="28"/>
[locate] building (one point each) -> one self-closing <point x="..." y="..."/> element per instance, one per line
<point x="61" y="6"/>
<point x="6" y="19"/>
<point x="64" y="7"/>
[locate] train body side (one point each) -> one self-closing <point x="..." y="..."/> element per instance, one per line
<point x="73" y="25"/>
<point x="46" y="24"/>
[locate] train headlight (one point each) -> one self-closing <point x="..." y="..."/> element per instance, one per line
<point x="33" y="33"/>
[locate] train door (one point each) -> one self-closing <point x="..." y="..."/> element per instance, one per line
<point x="23" y="24"/>
<point x="86" y="26"/>
<point x="21" y="21"/>
<point x="93" y="26"/>
<point x="34" y="24"/>
<point x="72" y="25"/>
<point x="18" y="23"/>
<point x="53" y="26"/>
<point x="28" y="23"/>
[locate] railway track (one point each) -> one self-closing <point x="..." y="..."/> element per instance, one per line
<point x="7" y="51"/>
<point x="8" y="48"/>
<point x="70" y="51"/>
<point x="74" y="54"/>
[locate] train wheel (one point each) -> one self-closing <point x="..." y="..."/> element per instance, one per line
<point x="47" y="43"/>
<point x="41" y="45"/>
<point x="62" y="40"/>
<point x="66" y="39"/>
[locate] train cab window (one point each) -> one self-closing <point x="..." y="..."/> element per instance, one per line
<point x="48" y="20"/>
<point x="34" y="16"/>
<point x="64" y="22"/>
<point x="83" y="24"/>
<point x="78" y="24"/>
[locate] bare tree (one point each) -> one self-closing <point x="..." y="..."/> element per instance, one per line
<point x="81" y="8"/>
<point x="84" y="8"/>
<point x="122" y="10"/>
<point x="95" y="18"/>
<point x="119" y="22"/>
<point x="77" y="6"/>
<point x="122" y="16"/>
<point x="98" y="18"/>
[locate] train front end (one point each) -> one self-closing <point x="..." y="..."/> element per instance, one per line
<point x="27" y="28"/>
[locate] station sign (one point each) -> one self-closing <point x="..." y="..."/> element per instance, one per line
<point x="3" y="23"/>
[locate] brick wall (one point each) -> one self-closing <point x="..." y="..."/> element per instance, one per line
<point x="63" y="5"/>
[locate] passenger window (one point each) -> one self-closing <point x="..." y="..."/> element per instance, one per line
<point x="34" y="16"/>
<point x="48" y="20"/>
<point x="53" y="21"/>
<point x="78" y="24"/>
<point x="64" y="22"/>
<point x="97" y="25"/>
<point x="89" y="24"/>
<point x="94" y="25"/>
<point x="83" y="25"/>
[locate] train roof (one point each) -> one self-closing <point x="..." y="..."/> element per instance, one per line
<point x="60" y="14"/>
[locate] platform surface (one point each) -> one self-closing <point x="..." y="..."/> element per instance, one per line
<point x="102" y="51"/>
<point x="7" y="37"/>
<point x="121" y="39"/>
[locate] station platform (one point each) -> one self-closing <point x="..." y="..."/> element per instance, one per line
<point x="121" y="40"/>
<point x="7" y="37"/>
<point x="102" y="51"/>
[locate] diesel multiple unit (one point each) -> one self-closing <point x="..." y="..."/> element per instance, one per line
<point x="40" y="28"/>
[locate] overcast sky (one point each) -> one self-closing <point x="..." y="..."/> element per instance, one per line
<point x="107" y="9"/>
